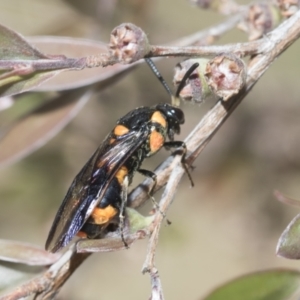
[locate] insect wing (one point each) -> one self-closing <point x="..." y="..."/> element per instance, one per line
<point x="89" y="186"/>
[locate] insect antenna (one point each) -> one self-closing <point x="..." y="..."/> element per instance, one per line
<point x="175" y="99"/>
<point x="152" y="66"/>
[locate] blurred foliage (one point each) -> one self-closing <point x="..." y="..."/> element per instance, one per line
<point x="267" y="285"/>
<point x="228" y="224"/>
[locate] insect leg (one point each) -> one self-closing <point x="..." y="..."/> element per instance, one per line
<point x="153" y="176"/>
<point x="179" y="144"/>
<point x="122" y="209"/>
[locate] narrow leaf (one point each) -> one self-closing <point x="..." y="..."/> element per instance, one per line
<point x="13" y="46"/>
<point x="36" y="128"/>
<point x="23" y="67"/>
<point x="76" y="47"/>
<point x="267" y="285"/>
<point x="15" y="84"/>
<point x="24" y="253"/>
<point x="10" y="277"/>
<point x="289" y="242"/>
<point x="286" y="200"/>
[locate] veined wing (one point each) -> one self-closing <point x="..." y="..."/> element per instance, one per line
<point x="89" y="186"/>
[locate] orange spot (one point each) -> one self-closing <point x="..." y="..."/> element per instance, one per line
<point x="82" y="234"/>
<point x="121" y="174"/>
<point x="159" y="118"/>
<point x="156" y="141"/>
<point x="111" y="141"/>
<point x="103" y="215"/>
<point x="120" y="130"/>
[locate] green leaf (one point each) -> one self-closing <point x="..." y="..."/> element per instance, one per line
<point x="289" y="242"/>
<point x="14" y="84"/>
<point x="18" y="252"/>
<point x="266" y="285"/>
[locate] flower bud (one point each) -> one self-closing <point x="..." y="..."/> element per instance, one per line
<point x="288" y="7"/>
<point x="261" y="18"/>
<point x="195" y="88"/>
<point x="226" y="75"/>
<point x="128" y="43"/>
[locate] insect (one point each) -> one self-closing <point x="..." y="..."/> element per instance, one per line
<point x="96" y="199"/>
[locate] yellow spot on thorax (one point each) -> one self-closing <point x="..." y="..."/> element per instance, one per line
<point x="159" y="118"/>
<point x="120" y="130"/>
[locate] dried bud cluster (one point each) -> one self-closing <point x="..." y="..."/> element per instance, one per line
<point x="261" y="18"/>
<point x="288" y="7"/>
<point x="226" y="75"/>
<point x="128" y="43"/>
<point x="195" y="89"/>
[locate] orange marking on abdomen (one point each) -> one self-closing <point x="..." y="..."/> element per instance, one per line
<point x="159" y="118"/>
<point x="81" y="234"/>
<point x="120" y="130"/>
<point x="120" y="175"/>
<point x="103" y="215"/>
<point x="156" y="141"/>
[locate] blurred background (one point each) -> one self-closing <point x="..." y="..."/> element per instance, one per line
<point x="228" y="224"/>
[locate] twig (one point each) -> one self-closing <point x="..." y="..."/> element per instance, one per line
<point x="156" y="292"/>
<point x="63" y="274"/>
<point x="209" y="35"/>
<point x="242" y="49"/>
<point x="48" y="284"/>
<point x="42" y="283"/>
<point x="25" y="67"/>
<point x="164" y="204"/>
<point x="280" y="39"/>
<point x="109" y="244"/>
<point x="277" y="41"/>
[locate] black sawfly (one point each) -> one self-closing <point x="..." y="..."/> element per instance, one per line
<point x="96" y="199"/>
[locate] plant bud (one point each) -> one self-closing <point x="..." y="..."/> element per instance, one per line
<point x="226" y="75"/>
<point x="128" y="43"/>
<point x="288" y="7"/>
<point x="261" y="18"/>
<point x="138" y="221"/>
<point x="195" y="89"/>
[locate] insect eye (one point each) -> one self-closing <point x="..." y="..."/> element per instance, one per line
<point x="178" y="115"/>
<point x="181" y="117"/>
<point x="174" y="115"/>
